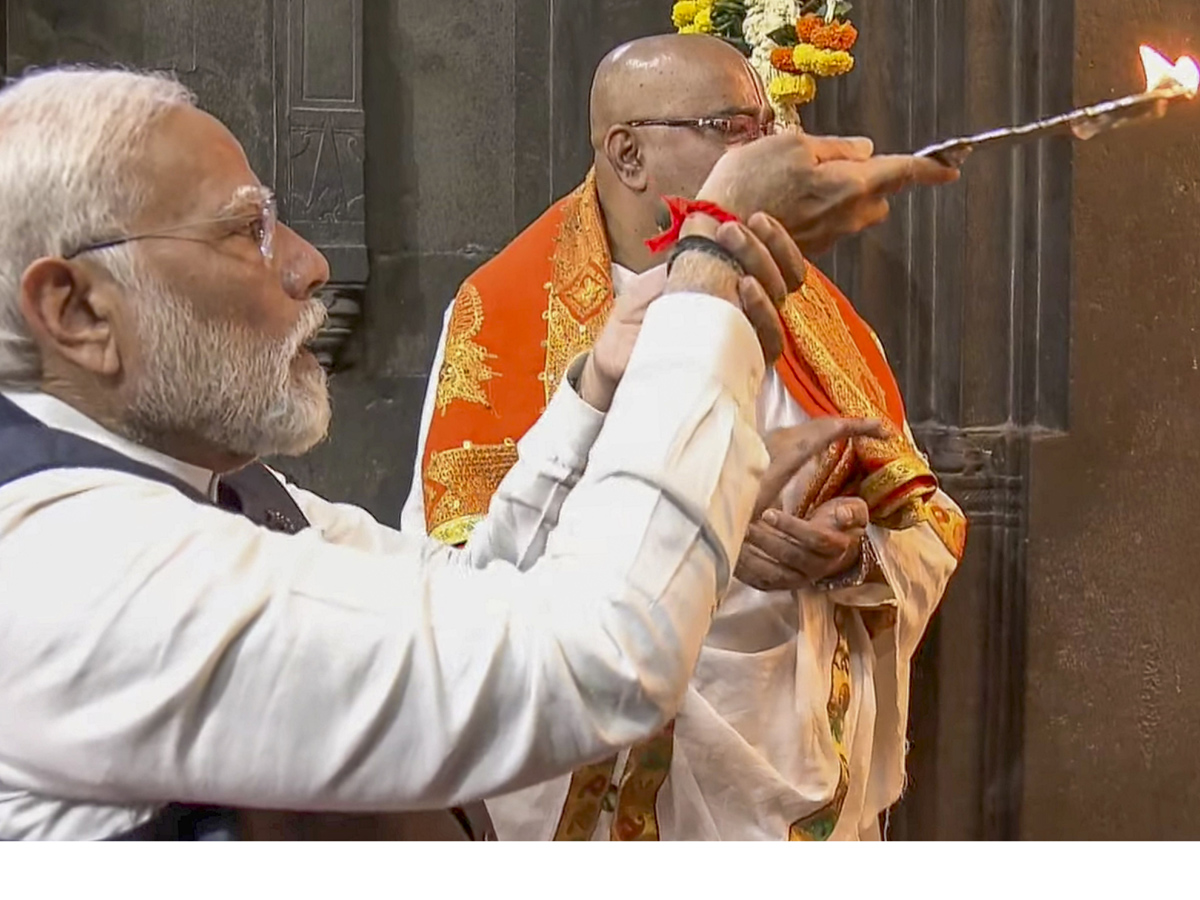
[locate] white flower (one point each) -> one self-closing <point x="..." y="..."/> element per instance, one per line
<point x="762" y="18"/>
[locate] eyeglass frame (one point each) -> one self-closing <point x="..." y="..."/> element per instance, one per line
<point x="721" y="124"/>
<point x="268" y="210"/>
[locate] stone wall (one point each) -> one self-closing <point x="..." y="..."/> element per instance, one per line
<point x="1112" y="721"/>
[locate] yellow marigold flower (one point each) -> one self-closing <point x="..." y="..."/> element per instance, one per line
<point x="684" y="13"/>
<point x="826" y="63"/>
<point x="703" y="21"/>
<point x="792" y="90"/>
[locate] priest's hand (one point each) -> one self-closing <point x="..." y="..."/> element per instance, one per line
<point x="773" y="265"/>
<point x="821" y="188"/>
<point x="784" y="552"/>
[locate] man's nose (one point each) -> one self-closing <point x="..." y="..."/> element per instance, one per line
<point x="304" y="268"/>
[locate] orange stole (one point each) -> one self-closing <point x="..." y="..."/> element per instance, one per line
<point x="516" y="325"/>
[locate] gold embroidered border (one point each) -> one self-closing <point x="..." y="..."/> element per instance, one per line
<point x="456" y="532"/>
<point x="585" y="801"/>
<point x="950" y="526"/>
<point x="883" y="489"/>
<point x="646" y="771"/>
<point x="460" y="482"/>
<point x="579" y="294"/>
<point x="812" y="316"/>
<point x="465" y="372"/>
<point x="834" y="470"/>
<point x="819" y="826"/>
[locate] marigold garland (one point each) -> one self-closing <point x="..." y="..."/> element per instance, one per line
<point x="793" y="90"/>
<point x="836" y="35"/>
<point x="826" y="63"/>
<point x="789" y="42"/>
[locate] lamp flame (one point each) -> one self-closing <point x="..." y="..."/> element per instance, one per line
<point x="1161" y="73"/>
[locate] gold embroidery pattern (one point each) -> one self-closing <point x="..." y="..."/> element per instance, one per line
<point x="579" y="295"/>
<point x="459" y="484"/>
<point x="812" y="316"/>
<point x="465" y="371"/>
<point x="645" y="773"/>
<point x="882" y="489"/>
<point x="819" y="826"/>
<point x="833" y="472"/>
<point x="456" y="532"/>
<point x="587" y="796"/>
<point x="950" y="526"/>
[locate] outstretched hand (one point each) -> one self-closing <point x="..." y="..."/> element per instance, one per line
<point x="820" y="188"/>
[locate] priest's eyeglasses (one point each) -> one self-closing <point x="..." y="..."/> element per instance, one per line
<point x="736" y="129"/>
<point x="253" y="212"/>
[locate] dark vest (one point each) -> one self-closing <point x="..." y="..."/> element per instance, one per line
<point x="27" y="447"/>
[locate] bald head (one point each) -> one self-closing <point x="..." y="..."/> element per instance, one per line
<point x="671" y="75"/>
<point x="664" y="110"/>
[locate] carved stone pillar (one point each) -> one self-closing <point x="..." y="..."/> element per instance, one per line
<point x="284" y="75"/>
<point x="969" y="288"/>
<point x="320" y="148"/>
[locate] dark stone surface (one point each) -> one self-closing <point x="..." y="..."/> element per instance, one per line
<point x="968" y="289"/>
<point x="1111" y="723"/>
<point x="222" y="51"/>
<point x="466" y="144"/>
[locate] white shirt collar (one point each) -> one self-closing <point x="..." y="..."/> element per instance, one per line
<point x="622" y="277"/>
<point x="55" y="413"/>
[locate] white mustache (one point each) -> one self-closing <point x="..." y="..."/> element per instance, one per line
<point x="312" y="320"/>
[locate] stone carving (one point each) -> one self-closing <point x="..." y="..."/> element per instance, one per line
<point x="320" y="157"/>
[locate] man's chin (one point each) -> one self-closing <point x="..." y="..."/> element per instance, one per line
<point x="309" y="416"/>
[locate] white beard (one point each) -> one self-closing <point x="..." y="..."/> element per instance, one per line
<point x="220" y="382"/>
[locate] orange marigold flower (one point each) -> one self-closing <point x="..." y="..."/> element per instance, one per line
<point x="807" y="27"/>
<point x="783" y="59"/>
<point x="835" y="36"/>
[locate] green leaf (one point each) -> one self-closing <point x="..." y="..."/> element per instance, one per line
<point x="785" y="36"/>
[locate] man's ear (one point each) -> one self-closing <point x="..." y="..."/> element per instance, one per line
<point x="70" y="314"/>
<point x="626" y="156"/>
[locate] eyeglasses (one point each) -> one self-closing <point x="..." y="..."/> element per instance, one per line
<point x="260" y="225"/>
<point x="736" y="129"/>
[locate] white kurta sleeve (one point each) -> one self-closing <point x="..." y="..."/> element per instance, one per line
<point x="412" y="514"/>
<point x="551" y="459"/>
<point x="185" y="654"/>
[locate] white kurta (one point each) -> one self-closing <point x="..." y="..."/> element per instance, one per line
<point x="753" y="747"/>
<point x="154" y="649"/>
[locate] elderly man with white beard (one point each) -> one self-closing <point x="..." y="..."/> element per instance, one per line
<point x="179" y="626"/>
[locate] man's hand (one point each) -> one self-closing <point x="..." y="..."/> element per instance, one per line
<point x="774" y="267"/>
<point x="784" y="552"/>
<point x="820" y="188"/>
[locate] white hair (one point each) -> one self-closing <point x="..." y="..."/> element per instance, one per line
<point x="69" y="141"/>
